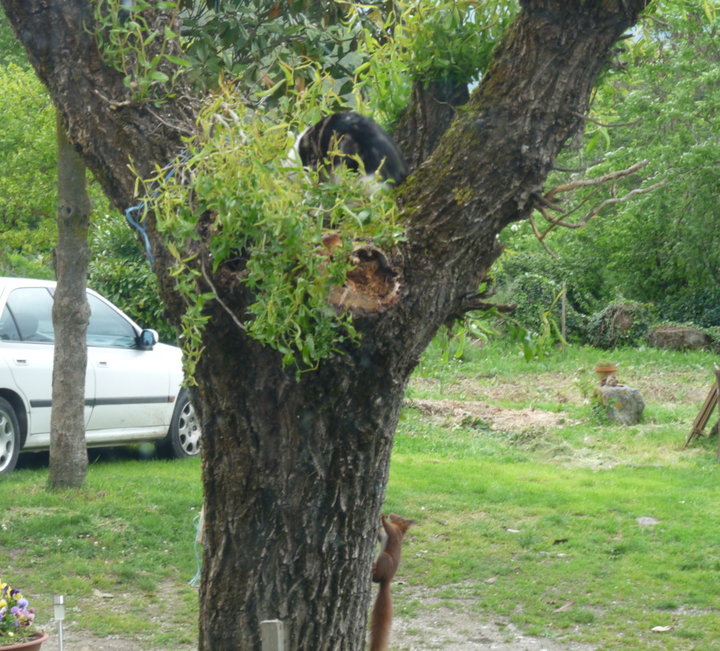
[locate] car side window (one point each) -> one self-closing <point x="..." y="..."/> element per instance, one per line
<point x="30" y="309"/>
<point x="8" y="329"/>
<point x="107" y="327"/>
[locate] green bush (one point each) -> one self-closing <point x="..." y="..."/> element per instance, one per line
<point x="538" y="299"/>
<point x="533" y="294"/>
<point x="121" y="273"/>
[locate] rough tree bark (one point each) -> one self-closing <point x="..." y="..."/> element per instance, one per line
<point x="68" y="452"/>
<point x="433" y="106"/>
<point x="295" y="471"/>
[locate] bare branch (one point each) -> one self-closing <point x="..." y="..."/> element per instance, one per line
<point x="547" y="203"/>
<point x="630" y="195"/>
<point x="611" y="176"/>
<point x="587" y="118"/>
<point x="541" y="236"/>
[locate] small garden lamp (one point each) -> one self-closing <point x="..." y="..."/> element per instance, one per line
<point x="59" y="606"/>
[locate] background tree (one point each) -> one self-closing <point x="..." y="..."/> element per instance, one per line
<point x="28" y="161"/>
<point x="68" y="452"/>
<point x="662" y="248"/>
<point x="118" y="267"/>
<point x="295" y="466"/>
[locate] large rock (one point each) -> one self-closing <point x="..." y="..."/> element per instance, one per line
<point x="678" y="338"/>
<point x="624" y="404"/>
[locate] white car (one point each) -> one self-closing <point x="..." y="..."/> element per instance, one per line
<point x="133" y="384"/>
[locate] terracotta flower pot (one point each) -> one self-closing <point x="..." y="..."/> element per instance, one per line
<point x="32" y="644"/>
<point x="605" y="370"/>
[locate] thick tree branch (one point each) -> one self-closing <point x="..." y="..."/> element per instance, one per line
<point x="432" y="108"/>
<point x="491" y="163"/>
<point x="511" y="130"/>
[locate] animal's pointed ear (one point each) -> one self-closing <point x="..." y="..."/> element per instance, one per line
<point x="401" y="522"/>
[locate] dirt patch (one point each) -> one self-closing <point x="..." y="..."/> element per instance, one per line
<point x="497" y="417"/>
<point x="79" y="641"/>
<point x="440" y="628"/>
<point x="548" y="387"/>
<point x="449" y="630"/>
<point x="666" y="386"/>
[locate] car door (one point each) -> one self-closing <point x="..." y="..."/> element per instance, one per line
<point x="28" y="338"/>
<point x="132" y="386"/>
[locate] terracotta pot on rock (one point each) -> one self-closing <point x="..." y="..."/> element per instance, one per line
<point x="31" y="644"/>
<point x="605" y="370"/>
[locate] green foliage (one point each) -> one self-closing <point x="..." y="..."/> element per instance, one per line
<point x="120" y="271"/>
<point x="260" y="41"/>
<point x="372" y="50"/>
<point x="532" y="293"/>
<point x="662" y="247"/>
<point x="268" y="217"/>
<point x="10" y="49"/>
<point x="27" y="182"/>
<point x="28" y="198"/>
<point x="473" y="329"/>
<point x="28" y="194"/>
<point x="535" y="329"/>
<point x="438" y="41"/>
<point x="448" y="40"/>
<point x="539" y="342"/>
<point x="146" y="53"/>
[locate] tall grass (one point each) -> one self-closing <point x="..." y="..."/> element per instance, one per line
<point x="586" y="531"/>
<point x="120" y="550"/>
<point x="582" y="531"/>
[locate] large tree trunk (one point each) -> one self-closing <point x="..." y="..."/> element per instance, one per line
<point x="295" y="470"/>
<point x="68" y="452"/>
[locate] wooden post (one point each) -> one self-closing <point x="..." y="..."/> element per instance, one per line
<point x="563" y="312"/>
<point x="705" y="412"/>
<point x="272" y="635"/>
<point x="717" y="381"/>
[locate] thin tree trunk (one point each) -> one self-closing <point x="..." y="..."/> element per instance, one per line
<point x="68" y="452"/>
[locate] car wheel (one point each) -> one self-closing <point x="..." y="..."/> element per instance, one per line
<point x="183" y="439"/>
<point x="9" y="437"/>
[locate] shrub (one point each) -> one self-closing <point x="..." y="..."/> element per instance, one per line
<point x="620" y="323"/>
<point x="538" y="299"/>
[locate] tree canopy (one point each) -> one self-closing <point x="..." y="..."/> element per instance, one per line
<point x="659" y="102"/>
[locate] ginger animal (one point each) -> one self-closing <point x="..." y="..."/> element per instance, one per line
<point x="383" y="571"/>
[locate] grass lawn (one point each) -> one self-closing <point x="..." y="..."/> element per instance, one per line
<point x="531" y="510"/>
